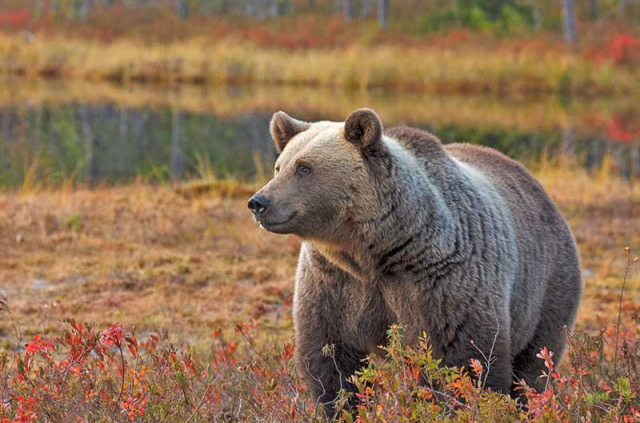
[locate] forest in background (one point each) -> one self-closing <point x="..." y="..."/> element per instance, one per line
<point x="413" y="17"/>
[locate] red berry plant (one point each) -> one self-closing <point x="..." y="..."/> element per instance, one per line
<point x="87" y="375"/>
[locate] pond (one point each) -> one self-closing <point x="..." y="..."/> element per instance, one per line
<point x="103" y="134"/>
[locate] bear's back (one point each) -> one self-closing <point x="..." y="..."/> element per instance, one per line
<point x="421" y="144"/>
<point x="514" y="182"/>
<point x="544" y="241"/>
<point x="511" y="178"/>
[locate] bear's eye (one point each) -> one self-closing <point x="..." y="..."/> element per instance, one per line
<point x="303" y="170"/>
<point x="277" y="169"/>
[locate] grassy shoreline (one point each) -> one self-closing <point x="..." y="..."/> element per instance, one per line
<point x="502" y="71"/>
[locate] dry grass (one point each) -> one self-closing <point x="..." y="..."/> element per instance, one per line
<point x="603" y="213"/>
<point x="199" y="60"/>
<point x="190" y="259"/>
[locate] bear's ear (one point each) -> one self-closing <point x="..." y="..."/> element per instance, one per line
<point x="283" y="127"/>
<point x="363" y="128"/>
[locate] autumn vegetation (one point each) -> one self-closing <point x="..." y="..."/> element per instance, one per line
<point x="499" y="70"/>
<point x="161" y="301"/>
<point x="426" y="52"/>
<point x="189" y="308"/>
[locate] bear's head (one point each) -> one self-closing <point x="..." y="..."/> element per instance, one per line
<point x="322" y="178"/>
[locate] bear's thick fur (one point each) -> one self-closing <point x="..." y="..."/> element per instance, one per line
<point x="457" y="241"/>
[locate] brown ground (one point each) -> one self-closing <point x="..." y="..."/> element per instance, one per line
<point x="151" y="256"/>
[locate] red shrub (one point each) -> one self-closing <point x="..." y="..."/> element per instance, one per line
<point x="15" y="18"/>
<point x="85" y="375"/>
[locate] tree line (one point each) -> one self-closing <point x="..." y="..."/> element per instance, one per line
<point x="423" y="16"/>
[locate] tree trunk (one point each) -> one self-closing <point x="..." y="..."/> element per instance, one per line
<point x="347" y="11"/>
<point x="568" y="146"/>
<point x="273" y="9"/>
<point x="622" y="5"/>
<point x="250" y="9"/>
<point x="593" y="9"/>
<point x="634" y="156"/>
<point x="383" y="13"/>
<point x="365" y="9"/>
<point x="39" y="8"/>
<point x="537" y="15"/>
<point x="223" y="7"/>
<point x="569" y="16"/>
<point x="182" y="8"/>
<point x="455" y="11"/>
<point x="87" y="135"/>
<point x="177" y="157"/>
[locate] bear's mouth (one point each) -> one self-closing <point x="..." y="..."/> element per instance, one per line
<point x="271" y="226"/>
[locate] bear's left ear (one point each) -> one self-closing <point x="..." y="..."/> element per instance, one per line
<point x="363" y="128"/>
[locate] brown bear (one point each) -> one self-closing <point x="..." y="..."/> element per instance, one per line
<point x="456" y="241"/>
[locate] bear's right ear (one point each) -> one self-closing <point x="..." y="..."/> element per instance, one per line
<point x="283" y="127"/>
<point x="363" y="129"/>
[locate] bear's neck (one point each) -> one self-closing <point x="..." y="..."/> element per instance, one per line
<point x="411" y="221"/>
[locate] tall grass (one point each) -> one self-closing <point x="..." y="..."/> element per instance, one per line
<point x="207" y="180"/>
<point x="499" y="71"/>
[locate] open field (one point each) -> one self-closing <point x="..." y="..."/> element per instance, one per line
<point x="192" y="260"/>
<point x="189" y="259"/>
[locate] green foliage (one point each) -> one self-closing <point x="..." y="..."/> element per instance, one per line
<point x="595" y="398"/>
<point x="502" y="17"/>
<point x="476" y="19"/>
<point x="512" y="19"/>
<point x="436" y="21"/>
<point x="73" y="222"/>
<point x="564" y="83"/>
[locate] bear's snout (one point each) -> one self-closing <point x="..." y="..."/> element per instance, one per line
<point x="258" y="204"/>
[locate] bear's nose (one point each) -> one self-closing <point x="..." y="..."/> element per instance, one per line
<point x="258" y="204"/>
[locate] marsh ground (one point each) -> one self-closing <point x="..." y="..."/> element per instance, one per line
<point x="193" y="261"/>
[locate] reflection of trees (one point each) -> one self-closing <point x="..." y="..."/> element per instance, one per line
<point x="98" y="143"/>
<point x="530" y="146"/>
<point x="568" y="141"/>
<point x="108" y="143"/>
<point x="177" y="156"/>
<point x="88" y="139"/>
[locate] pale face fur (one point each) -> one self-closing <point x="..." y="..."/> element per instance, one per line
<point x="320" y="180"/>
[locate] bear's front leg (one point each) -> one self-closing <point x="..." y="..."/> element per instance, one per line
<point x="337" y="324"/>
<point x="328" y="352"/>
<point x="326" y="370"/>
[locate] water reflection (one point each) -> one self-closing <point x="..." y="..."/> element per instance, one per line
<point x="108" y="134"/>
<point x="112" y="144"/>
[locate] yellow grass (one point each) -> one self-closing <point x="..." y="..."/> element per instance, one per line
<point x="359" y="66"/>
<point x="189" y="257"/>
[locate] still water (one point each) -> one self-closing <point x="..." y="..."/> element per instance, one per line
<point x="102" y="134"/>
